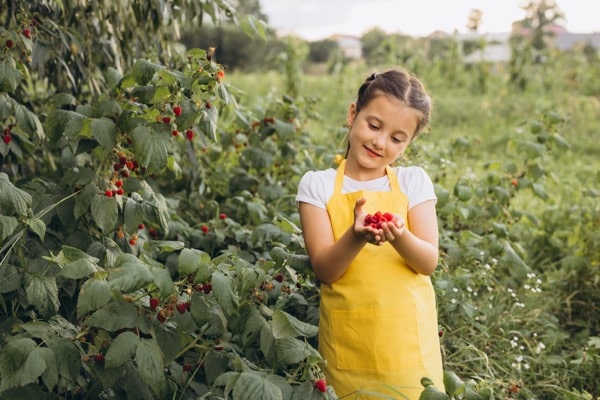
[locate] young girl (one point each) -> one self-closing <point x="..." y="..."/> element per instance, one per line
<point x="378" y="329"/>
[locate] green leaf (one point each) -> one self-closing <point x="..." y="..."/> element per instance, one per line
<point x="452" y="383"/>
<point x="133" y="214"/>
<point x="292" y="350"/>
<point x="208" y="121"/>
<point x="114" y="316"/>
<point x="539" y="191"/>
<point x="143" y="71"/>
<point x="42" y="293"/>
<point x="122" y="349"/>
<point x="223" y="291"/>
<point x="151" y="148"/>
<point x="286" y="326"/>
<point x="37" y="226"/>
<point x="28" y="121"/>
<point x="254" y="385"/>
<point x="104" y="131"/>
<point x="68" y="357"/>
<point x="148" y="358"/>
<point x="190" y="260"/>
<point x="13" y="199"/>
<point x="105" y="211"/>
<point x="94" y="294"/>
<point x="10" y="278"/>
<point x="432" y="393"/>
<point x="10" y="76"/>
<point x="162" y="279"/>
<point x="129" y="274"/>
<point x="7" y="226"/>
<point x="21" y="362"/>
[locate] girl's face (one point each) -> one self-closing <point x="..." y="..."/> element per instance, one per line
<point x="379" y="134"/>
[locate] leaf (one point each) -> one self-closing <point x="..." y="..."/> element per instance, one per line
<point x="223" y="291"/>
<point x="10" y="76"/>
<point x="133" y="214"/>
<point x="292" y="350"/>
<point x="143" y="71"/>
<point x="162" y="279"/>
<point x="452" y="383"/>
<point x="42" y="293"/>
<point x="190" y="260"/>
<point x="13" y="199"/>
<point x="286" y="326"/>
<point x="104" y="131"/>
<point x="122" y="349"/>
<point x="208" y="121"/>
<point x="148" y="358"/>
<point x="28" y="121"/>
<point x="151" y="148"/>
<point x="114" y="316"/>
<point x="253" y="385"/>
<point x="68" y="358"/>
<point x="105" y="212"/>
<point x="21" y="362"/>
<point x="129" y="274"/>
<point x="432" y="393"/>
<point x="10" y="278"/>
<point x="37" y="226"/>
<point x="94" y="294"/>
<point x="7" y="226"/>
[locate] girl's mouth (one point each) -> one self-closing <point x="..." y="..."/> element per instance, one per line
<point x="371" y="152"/>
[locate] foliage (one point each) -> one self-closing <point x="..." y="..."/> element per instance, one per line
<point x="150" y="245"/>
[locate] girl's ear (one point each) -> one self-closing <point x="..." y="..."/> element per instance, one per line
<point x="351" y="114"/>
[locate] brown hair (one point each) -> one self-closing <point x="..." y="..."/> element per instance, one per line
<point x="401" y="85"/>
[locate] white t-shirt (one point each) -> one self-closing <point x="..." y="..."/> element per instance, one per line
<point x="316" y="187"/>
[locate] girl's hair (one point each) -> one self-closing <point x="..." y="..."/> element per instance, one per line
<point x="401" y="85"/>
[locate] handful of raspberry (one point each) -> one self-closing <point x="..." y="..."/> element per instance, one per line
<point x="375" y="220"/>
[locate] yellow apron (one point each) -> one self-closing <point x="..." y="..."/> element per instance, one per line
<point x="378" y="328"/>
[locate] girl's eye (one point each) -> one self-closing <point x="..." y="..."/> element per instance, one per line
<point x="374" y="127"/>
<point x="396" y="140"/>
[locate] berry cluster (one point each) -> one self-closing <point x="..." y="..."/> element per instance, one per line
<point x="375" y="220"/>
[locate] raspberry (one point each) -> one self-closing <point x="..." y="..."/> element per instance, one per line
<point x="7" y="138"/>
<point x="108" y="193"/>
<point x="375" y="220"/>
<point x="27" y="33"/>
<point x="190" y="134"/>
<point x="321" y="385"/>
<point x="174" y="132"/>
<point x="187" y="367"/>
<point x="204" y="228"/>
<point x="177" y="111"/>
<point x="182" y="307"/>
<point x="154" y="303"/>
<point x="222" y="216"/>
<point x="141" y="226"/>
<point x="279" y="278"/>
<point x="167" y="120"/>
<point x="220" y="75"/>
<point x="119" y="183"/>
<point x="10" y="43"/>
<point x="99" y="358"/>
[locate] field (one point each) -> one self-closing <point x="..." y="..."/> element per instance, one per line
<point x="150" y="245"/>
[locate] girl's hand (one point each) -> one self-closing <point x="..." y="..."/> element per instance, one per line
<point x="393" y="229"/>
<point x="366" y="233"/>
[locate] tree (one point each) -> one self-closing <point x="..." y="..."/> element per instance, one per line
<point x="540" y="16"/>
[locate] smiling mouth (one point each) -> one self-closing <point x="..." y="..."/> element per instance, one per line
<point x="371" y="152"/>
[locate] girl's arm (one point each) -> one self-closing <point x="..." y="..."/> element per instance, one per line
<point x="330" y="259"/>
<point x="419" y="245"/>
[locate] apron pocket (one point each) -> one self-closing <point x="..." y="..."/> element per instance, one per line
<point x="379" y="339"/>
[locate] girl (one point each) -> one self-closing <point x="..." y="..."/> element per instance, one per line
<point x="378" y="329"/>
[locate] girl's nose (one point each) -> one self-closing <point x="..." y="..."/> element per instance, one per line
<point x="377" y="142"/>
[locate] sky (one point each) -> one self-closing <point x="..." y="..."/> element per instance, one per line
<point x="319" y="19"/>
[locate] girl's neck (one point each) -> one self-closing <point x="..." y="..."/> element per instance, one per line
<point x="359" y="173"/>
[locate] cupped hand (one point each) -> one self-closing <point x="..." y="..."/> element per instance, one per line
<point x="366" y="233"/>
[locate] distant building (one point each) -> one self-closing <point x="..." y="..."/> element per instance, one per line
<point x="351" y="46"/>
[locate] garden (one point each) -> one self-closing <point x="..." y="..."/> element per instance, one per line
<point x="150" y="245"/>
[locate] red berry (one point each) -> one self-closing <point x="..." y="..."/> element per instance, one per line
<point x="120" y="191"/>
<point x="27" y="33"/>
<point x="177" y="111"/>
<point x="204" y="228"/>
<point x="167" y="120"/>
<point x="279" y="278"/>
<point x="132" y="242"/>
<point x="220" y="75"/>
<point x="174" y="132"/>
<point x="122" y="159"/>
<point x="182" y="307"/>
<point x="154" y="303"/>
<point x="10" y="43"/>
<point x="108" y="193"/>
<point x="141" y="226"/>
<point x="129" y="164"/>
<point x="190" y="134"/>
<point x="7" y="138"/>
<point x="222" y="216"/>
<point x="321" y="385"/>
<point x="99" y="358"/>
<point x="119" y="183"/>
<point x="187" y="367"/>
<point x="207" y="287"/>
<point x="208" y="105"/>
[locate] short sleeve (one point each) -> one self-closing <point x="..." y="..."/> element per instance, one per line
<point x="417" y="185"/>
<point x="311" y="190"/>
